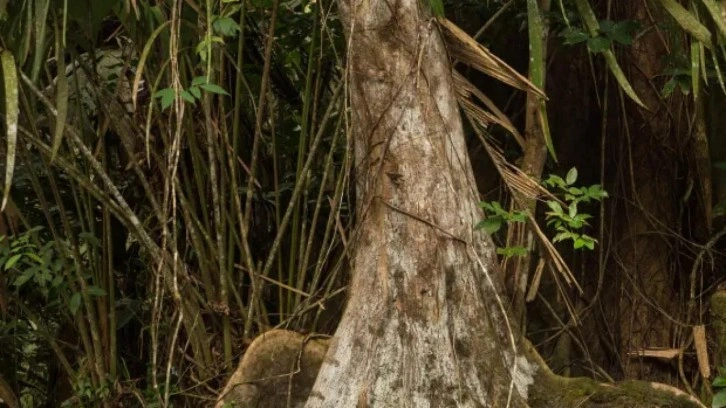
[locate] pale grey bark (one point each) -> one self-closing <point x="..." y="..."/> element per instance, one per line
<point x="425" y="324"/>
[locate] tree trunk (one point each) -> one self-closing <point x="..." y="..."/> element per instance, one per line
<point x="425" y="323"/>
<point x="649" y="203"/>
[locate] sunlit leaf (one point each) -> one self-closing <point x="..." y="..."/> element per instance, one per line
<point x="571" y="177"/>
<point x="490" y="225"/>
<point x="688" y="21"/>
<point x="12" y="261"/>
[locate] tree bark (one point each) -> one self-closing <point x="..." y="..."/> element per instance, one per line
<point x="425" y="323"/>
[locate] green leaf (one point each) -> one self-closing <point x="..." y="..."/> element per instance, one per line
<point x="719" y="400"/>
<point x="572" y="210"/>
<point x="571" y="176"/>
<point x="555" y="207"/>
<point x="512" y="251"/>
<point x="23" y="278"/>
<point x="579" y="243"/>
<point x="214" y="89"/>
<point x="490" y="225"/>
<point x="225" y="26"/>
<point x="488" y="207"/>
<point x="555" y="181"/>
<point x="624" y="31"/>
<point x="194" y="90"/>
<point x="199" y="80"/>
<point x="74" y="303"/>
<point x="598" y="44"/>
<point x="688" y="21"/>
<point x="719" y="382"/>
<point x="668" y="87"/>
<point x="572" y="35"/>
<point x="437" y="7"/>
<point x="187" y="96"/>
<point x="167" y="97"/>
<point x="562" y="236"/>
<point x="12" y="261"/>
<point x="518" y="216"/>
<point x="95" y="291"/>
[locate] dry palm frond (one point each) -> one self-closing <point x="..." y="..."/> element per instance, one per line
<point x="466" y="91"/>
<point x="467" y="50"/>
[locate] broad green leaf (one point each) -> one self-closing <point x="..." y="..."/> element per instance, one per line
<point x="74" y="303"/>
<point x="95" y="291"/>
<point x="225" y="26"/>
<point x="214" y="89"/>
<point x="491" y="225"/>
<point x="196" y="93"/>
<point x="571" y="177"/>
<point x="562" y="236"/>
<point x="688" y="21"/>
<point x="23" y="278"/>
<point x="623" y="31"/>
<point x="579" y="243"/>
<point x="437" y="7"/>
<point x="39" y="25"/>
<point x="167" y="97"/>
<point x="719" y="382"/>
<point x="572" y="35"/>
<point x="717" y="14"/>
<point x="187" y="96"/>
<point x="555" y="207"/>
<point x="719" y="400"/>
<point x="572" y="210"/>
<point x="598" y="44"/>
<point x="10" y="80"/>
<point x="12" y="261"/>
<point x="199" y="80"/>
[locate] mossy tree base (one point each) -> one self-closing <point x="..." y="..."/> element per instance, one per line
<point x="277" y="369"/>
